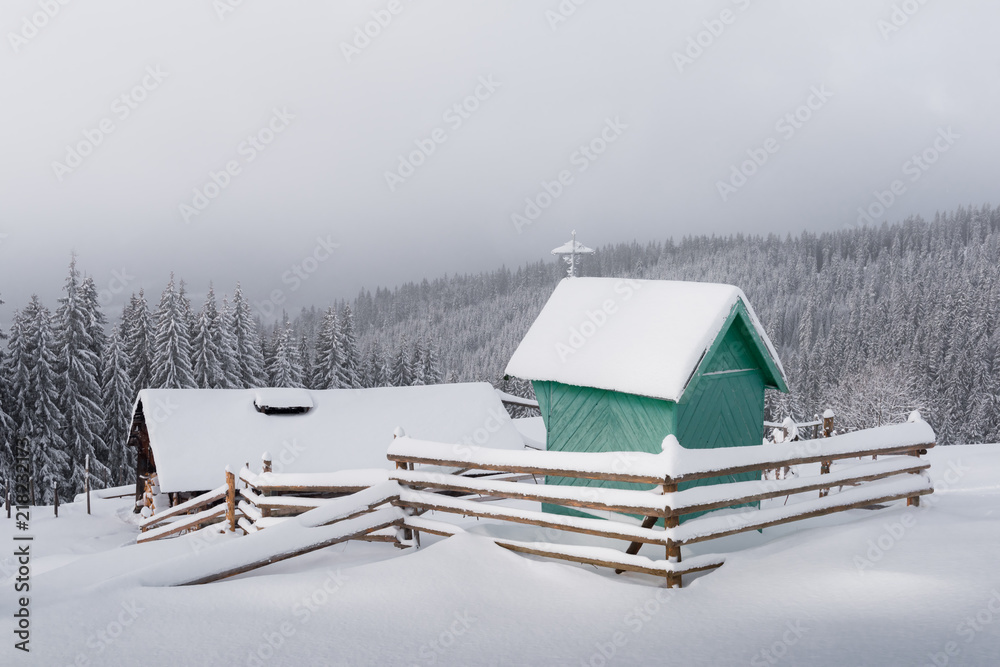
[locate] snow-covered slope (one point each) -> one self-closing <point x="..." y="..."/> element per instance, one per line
<point x="901" y="586"/>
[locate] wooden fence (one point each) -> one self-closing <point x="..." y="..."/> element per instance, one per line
<point x="253" y="501"/>
<point x="457" y="479"/>
<point x="862" y="484"/>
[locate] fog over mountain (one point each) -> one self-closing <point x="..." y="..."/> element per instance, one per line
<point x="227" y="140"/>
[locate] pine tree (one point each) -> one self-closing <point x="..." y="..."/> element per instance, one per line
<point x="227" y="348"/>
<point x="347" y="373"/>
<point x="401" y="373"/>
<point x="284" y="369"/>
<point x="248" y="343"/>
<point x="207" y="353"/>
<point x="418" y="364"/>
<point x="172" y="345"/>
<point x="326" y="366"/>
<point x="432" y="364"/>
<point x="305" y="361"/>
<point x="117" y="393"/>
<point x="79" y="386"/>
<point x="137" y="332"/>
<point x="34" y="384"/>
<point x="7" y="426"/>
<point x="97" y="322"/>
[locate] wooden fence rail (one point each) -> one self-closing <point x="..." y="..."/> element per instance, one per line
<point x="862" y="484"/>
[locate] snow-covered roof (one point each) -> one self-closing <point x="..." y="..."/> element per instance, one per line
<point x="573" y="246"/>
<point x="644" y="337"/>
<point x="195" y="433"/>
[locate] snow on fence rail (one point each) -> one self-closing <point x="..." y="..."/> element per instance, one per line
<point x="868" y="483"/>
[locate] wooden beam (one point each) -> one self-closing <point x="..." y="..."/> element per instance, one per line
<point x="633" y="549"/>
<point x="817" y="458"/>
<point x="539" y="495"/>
<point x="657" y="571"/>
<point x="291" y="554"/>
<point x="806" y="515"/>
<point x="822" y="484"/>
<point x="191" y="506"/>
<point x="530" y="470"/>
<point x="497" y="513"/>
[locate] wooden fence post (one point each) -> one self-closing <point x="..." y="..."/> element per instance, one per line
<point x="914" y="501"/>
<point x="403" y="465"/>
<point x="673" y="549"/>
<point x="86" y="481"/>
<point x="824" y="466"/>
<point x="55" y="490"/>
<point x="265" y="466"/>
<point x="231" y="499"/>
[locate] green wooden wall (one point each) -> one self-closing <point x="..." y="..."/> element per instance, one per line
<point x="723" y="406"/>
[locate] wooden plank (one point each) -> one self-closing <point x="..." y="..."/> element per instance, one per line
<point x="281" y="505"/>
<point x="291" y="554"/>
<point x="792" y="489"/>
<point x="633" y="549"/>
<point x="517" y="491"/>
<point x="194" y="521"/>
<point x="282" y="489"/>
<point x="433" y="527"/>
<point x="806" y="515"/>
<point x="552" y="551"/>
<point x="597" y="527"/>
<point x="185" y="508"/>
<point x="817" y="458"/>
<point x="530" y="470"/>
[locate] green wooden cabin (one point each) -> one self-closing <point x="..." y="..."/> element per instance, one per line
<point x="617" y="365"/>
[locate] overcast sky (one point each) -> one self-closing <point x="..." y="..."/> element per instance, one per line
<point x="668" y="98"/>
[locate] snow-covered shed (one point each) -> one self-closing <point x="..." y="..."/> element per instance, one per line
<point x="189" y="436"/>
<point x="617" y="365"/>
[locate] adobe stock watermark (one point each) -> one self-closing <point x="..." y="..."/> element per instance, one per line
<point x="33" y="24"/>
<point x="121" y="109"/>
<point x="562" y="13"/>
<point x="120" y="280"/>
<point x="99" y="640"/>
<point x="370" y="30"/>
<point x="703" y="40"/>
<point x="297" y="275"/>
<point x="223" y="8"/>
<point x="596" y="320"/>
<point x="968" y="629"/>
<point x="915" y="167"/>
<point x="895" y="531"/>
<point x="303" y="611"/>
<point x="635" y="620"/>
<point x="248" y="149"/>
<point x="455" y="117"/>
<point x="432" y="650"/>
<point x="495" y="419"/>
<point x="289" y="453"/>
<point x="787" y="126"/>
<point x="899" y="17"/>
<point x="778" y="650"/>
<point x="582" y="158"/>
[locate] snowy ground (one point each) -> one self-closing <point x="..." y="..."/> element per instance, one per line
<point x="900" y="586"/>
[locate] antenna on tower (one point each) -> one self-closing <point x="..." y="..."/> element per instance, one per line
<point x="570" y="251"/>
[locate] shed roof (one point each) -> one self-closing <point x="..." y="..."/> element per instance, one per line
<point x="195" y="433"/>
<point x="644" y="337"/>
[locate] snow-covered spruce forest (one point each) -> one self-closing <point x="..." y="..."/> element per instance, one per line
<point x="873" y="322"/>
